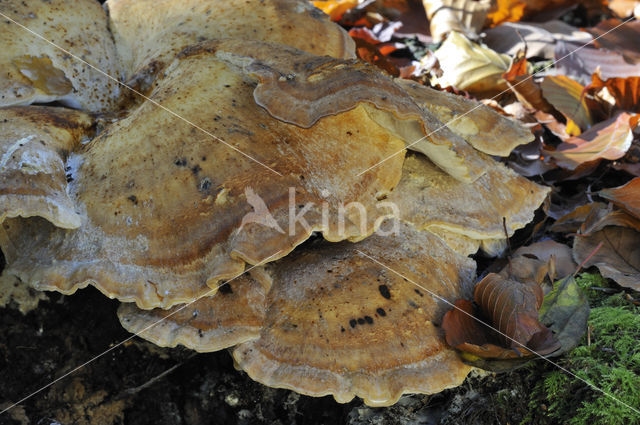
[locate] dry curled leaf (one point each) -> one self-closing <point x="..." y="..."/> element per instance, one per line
<point x="465" y="16"/>
<point x="624" y="92"/>
<point x="626" y="196"/>
<point x="580" y="62"/>
<point x="470" y="66"/>
<point x="622" y="38"/>
<point x="609" y="139"/>
<point x="614" y="250"/>
<point x="527" y="91"/>
<point x="510" y="307"/>
<point x="539" y="38"/>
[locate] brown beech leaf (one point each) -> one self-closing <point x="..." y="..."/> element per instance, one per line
<point x="539" y="38"/>
<point x="609" y="139"/>
<point x="527" y="91"/>
<point x="581" y="62"/>
<point x="567" y="96"/>
<point x="369" y="52"/>
<point x="614" y="250"/>
<point x="624" y="39"/>
<point x="466" y="334"/>
<point x="510" y="307"/>
<point x="626" y="196"/>
<point x="571" y="222"/>
<point x="550" y="251"/>
<point x="624" y="91"/>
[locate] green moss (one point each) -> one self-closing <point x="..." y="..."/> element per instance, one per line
<point x="611" y="362"/>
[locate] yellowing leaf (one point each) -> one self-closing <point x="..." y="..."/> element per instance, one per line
<point x="335" y="8"/>
<point x="506" y="11"/>
<point x="606" y="140"/>
<point x="470" y="66"/>
<point x="567" y="96"/>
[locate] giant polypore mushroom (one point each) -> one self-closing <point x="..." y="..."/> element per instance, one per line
<point x="158" y="210"/>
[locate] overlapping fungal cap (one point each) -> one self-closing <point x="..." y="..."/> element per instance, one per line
<point x="338" y="322"/>
<point x="234" y="314"/>
<point x="167" y="209"/>
<point x="433" y="200"/>
<point x="302" y="89"/>
<point x="475" y="122"/>
<point x="35" y="142"/>
<point x="150" y="33"/>
<point x="35" y="71"/>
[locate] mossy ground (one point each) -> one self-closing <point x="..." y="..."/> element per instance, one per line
<point x="608" y="358"/>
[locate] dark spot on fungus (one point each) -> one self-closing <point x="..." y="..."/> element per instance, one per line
<point x="413" y="304"/>
<point x="196" y="169"/>
<point x="133" y="199"/>
<point x="369" y="319"/>
<point x="418" y="292"/>
<point x="384" y="291"/>
<point x="204" y="185"/>
<point x="200" y="334"/>
<point x="352" y="323"/>
<point x="360" y="321"/>
<point x="342" y="329"/>
<point x="225" y="289"/>
<point x="381" y="311"/>
<point x="181" y="162"/>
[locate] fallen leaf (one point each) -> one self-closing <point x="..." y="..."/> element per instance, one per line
<point x="335" y="8"/>
<point x="609" y="139"/>
<point x="505" y="11"/>
<point x="539" y="38"/>
<point x="370" y="53"/>
<point x="626" y="196"/>
<point x="571" y="222"/>
<point x="465" y="16"/>
<point x="580" y="63"/>
<point x="618" y="255"/>
<point x="549" y="250"/>
<point x="510" y="307"/>
<point x="567" y="96"/>
<point x="622" y="38"/>
<point x="469" y="66"/>
<point x="527" y="91"/>
<point x="624" y="91"/>
<point x="623" y="8"/>
<point x="565" y="310"/>
<point x="515" y="10"/>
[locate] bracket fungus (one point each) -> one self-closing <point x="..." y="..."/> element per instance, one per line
<point x="150" y="33"/>
<point x="335" y="322"/>
<point x="39" y="71"/>
<point x="278" y="139"/>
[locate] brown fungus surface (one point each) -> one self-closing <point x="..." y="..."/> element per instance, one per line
<point x="35" y="143"/>
<point x="475" y="122"/>
<point x="35" y="71"/>
<point x="234" y="314"/>
<point x="431" y="199"/>
<point x="302" y="89"/>
<point x="164" y="206"/>
<point x="150" y="33"/>
<point x="339" y="323"/>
